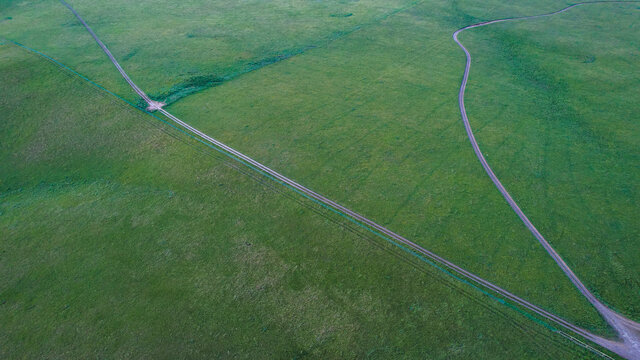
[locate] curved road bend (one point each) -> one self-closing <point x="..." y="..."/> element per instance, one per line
<point x="628" y="330"/>
<point x="617" y="347"/>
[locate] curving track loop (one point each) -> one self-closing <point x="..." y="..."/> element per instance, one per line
<point x="628" y="330"/>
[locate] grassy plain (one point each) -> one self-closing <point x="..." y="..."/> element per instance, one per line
<point x="362" y="108"/>
<point x="124" y="238"/>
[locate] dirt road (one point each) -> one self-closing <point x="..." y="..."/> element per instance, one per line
<point x="628" y="330"/>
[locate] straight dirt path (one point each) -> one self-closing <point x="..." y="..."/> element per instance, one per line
<point x="621" y="348"/>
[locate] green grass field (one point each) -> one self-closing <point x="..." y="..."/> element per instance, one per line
<point x="126" y="238"/>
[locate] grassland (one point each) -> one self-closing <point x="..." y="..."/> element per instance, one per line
<point x="361" y="108"/>
<point x="123" y="238"/>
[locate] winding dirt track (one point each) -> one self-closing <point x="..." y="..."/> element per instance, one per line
<point x="625" y="348"/>
<point x="628" y="330"/>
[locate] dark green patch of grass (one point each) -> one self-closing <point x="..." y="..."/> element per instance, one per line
<point x="343" y="15"/>
<point x="274" y="59"/>
<point x="131" y="54"/>
<point x="190" y="86"/>
<point x="201" y="82"/>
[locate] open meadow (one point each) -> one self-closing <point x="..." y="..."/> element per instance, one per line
<point x="123" y="236"/>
